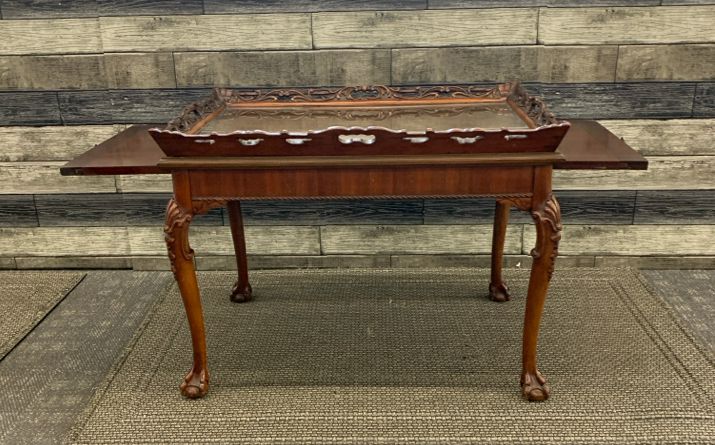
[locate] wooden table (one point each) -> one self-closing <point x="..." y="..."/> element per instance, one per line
<point x="522" y="180"/>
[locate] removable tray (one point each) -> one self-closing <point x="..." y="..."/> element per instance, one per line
<point x="366" y="120"/>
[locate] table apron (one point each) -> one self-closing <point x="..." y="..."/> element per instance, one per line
<point x="411" y="181"/>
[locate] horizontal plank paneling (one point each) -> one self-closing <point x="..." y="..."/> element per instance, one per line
<point x="140" y="70"/>
<point x="511" y="26"/>
<point x="594" y="26"/>
<point x="359" y="239"/>
<point x="44" y="177"/>
<point x="33" y="9"/>
<point x="209" y="240"/>
<point x="66" y="36"/>
<point x="148" y="70"/>
<point x="669" y="137"/>
<point x="281" y="68"/>
<point x="437" y="4"/>
<point x="145" y="209"/>
<point x="675" y="207"/>
<point x="570" y="100"/>
<point x="144" y="184"/>
<point x="130" y="106"/>
<point x="17" y="211"/>
<point x="75" y="262"/>
<point x="228" y="262"/>
<point x="29" y="109"/>
<point x="253" y="6"/>
<point x="664" y="172"/>
<point x="58" y="241"/>
<point x="526" y="63"/>
<point x="666" y="62"/>
<point x="52" y="72"/>
<point x="187" y="33"/>
<point x="54" y="143"/>
<point x="149" y="7"/>
<point x="583" y="207"/>
<point x="632" y="240"/>
<point x="704" y="103"/>
<point x="97" y="209"/>
<point x="319" y="212"/>
<point x="618" y="101"/>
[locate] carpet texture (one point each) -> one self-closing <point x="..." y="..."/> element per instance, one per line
<point x="25" y="299"/>
<point x="405" y="356"/>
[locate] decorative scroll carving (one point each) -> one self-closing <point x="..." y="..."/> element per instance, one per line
<point x="357" y="93"/>
<point x="548" y="226"/>
<point x="533" y="106"/>
<point x="176" y="233"/>
<point x="202" y="206"/>
<point x="196" y="111"/>
<point x="513" y="91"/>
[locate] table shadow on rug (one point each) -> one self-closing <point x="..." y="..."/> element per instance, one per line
<point x="333" y="356"/>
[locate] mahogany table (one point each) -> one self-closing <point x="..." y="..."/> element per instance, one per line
<point x="520" y="179"/>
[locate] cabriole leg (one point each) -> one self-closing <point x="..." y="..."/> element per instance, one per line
<point x="242" y="291"/>
<point x="547" y="218"/>
<point x="498" y="290"/>
<point x="176" y="233"/>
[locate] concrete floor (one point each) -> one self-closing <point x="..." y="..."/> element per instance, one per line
<point x="49" y="378"/>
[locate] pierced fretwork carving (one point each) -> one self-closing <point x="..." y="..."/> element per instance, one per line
<point x="221" y="97"/>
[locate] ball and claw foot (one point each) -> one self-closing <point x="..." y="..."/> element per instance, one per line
<point x="242" y="294"/>
<point x="499" y="292"/>
<point x="195" y="384"/>
<point x="534" y="387"/>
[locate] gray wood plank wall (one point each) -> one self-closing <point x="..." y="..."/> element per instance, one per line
<point x="74" y="73"/>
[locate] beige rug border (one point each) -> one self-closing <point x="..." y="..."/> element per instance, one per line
<point x="62" y="294"/>
<point x="82" y="419"/>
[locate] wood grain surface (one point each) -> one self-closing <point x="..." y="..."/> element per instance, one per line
<point x="228" y="32"/>
<point x="17" y="211"/>
<point x="27" y="9"/>
<point x="664" y="172"/>
<point x="666" y="137"/>
<point x="53" y="143"/>
<point x="666" y="62"/>
<point x="44" y="177"/>
<point x="704" y="102"/>
<point x="125" y="106"/>
<point x="67" y="36"/>
<point x="397" y="239"/>
<point x="210" y="240"/>
<point x="424" y="28"/>
<point x="623" y="25"/>
<point x="254" y="6"/>
<point x="674" y="207"/>
<point x="281" y="68"/>
<point x="526" y="63"/>
<point x="641" y="239"/>
<point x="75" y="72"/>
<point x="80" y="241"/>
<point x="29" y="108"/>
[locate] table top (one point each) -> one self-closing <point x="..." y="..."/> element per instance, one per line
<point x="587" y="145"/>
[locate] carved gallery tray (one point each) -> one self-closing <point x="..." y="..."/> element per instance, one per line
<point x="364" y="120"/>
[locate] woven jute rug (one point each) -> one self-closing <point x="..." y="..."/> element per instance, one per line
<point x="26" y="297"/>
<point x="411" y="356"/>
